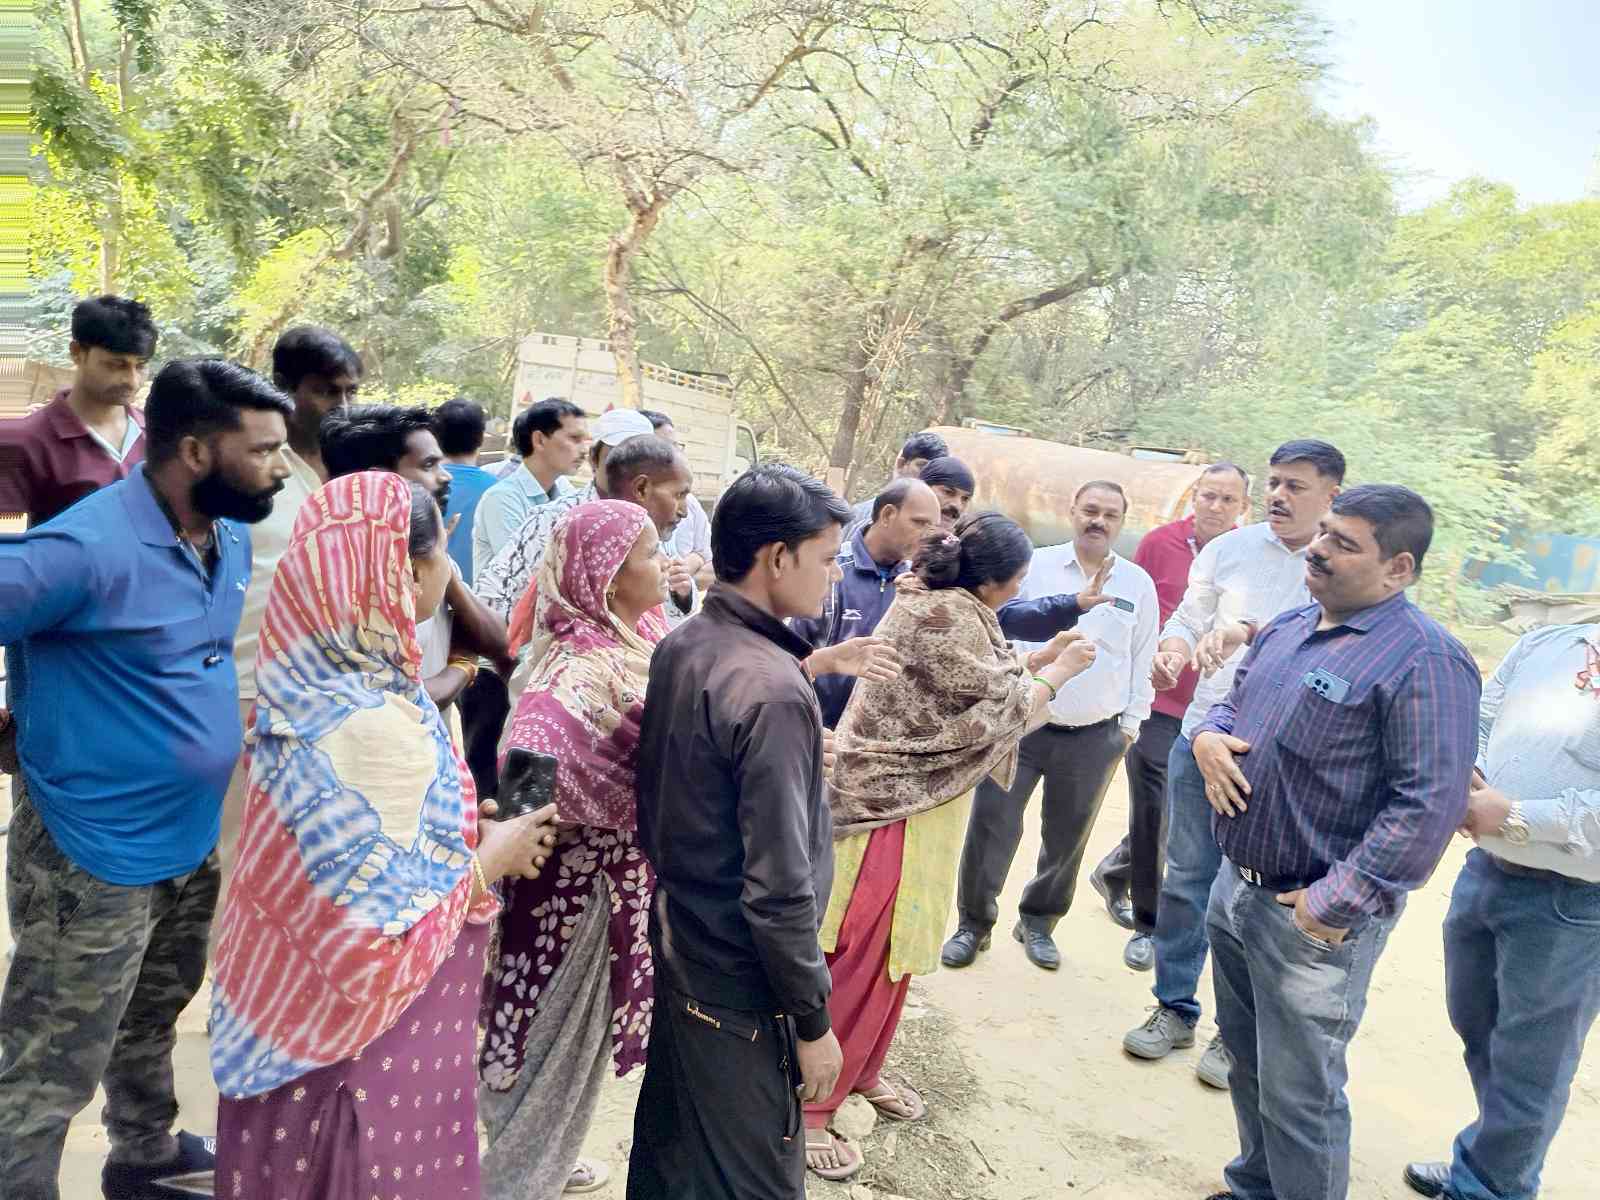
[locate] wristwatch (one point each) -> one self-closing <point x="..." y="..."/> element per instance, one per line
<point x="1515" y="828"/>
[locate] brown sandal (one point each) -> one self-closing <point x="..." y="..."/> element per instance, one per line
<point x="850" y="1160"/>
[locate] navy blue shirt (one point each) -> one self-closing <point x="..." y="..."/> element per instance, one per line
<point x="855" y="606"/>
<point x="1362" y="739"/>
<point x="128" y="737"/>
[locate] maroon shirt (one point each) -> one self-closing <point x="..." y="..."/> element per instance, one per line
<point x="49" y="461"/>
<point x="1166" y="553"/>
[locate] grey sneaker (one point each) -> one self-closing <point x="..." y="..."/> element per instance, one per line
<point x="1163" y="1032"/>
<point x="1215" y="1065"/>
<point x="1140" y="952"/>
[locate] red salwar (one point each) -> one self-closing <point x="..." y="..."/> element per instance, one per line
<point x="865" y="1006"/>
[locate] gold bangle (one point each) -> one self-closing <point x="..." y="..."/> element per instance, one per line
<point x="479" y="876"/>
<point x="467" y="666"/>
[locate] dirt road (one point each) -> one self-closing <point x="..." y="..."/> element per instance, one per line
<point x="1033" y="1098"/>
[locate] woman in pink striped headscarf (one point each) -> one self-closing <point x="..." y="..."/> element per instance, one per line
<point x="572" y="984"/>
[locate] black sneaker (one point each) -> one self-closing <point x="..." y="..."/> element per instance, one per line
<point x="962" y="948"/>
<point x="188" y="1175"/>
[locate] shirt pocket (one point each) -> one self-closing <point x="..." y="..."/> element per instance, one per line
<point x="1319" y="730"/>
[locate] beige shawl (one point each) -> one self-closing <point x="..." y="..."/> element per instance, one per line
<point x="954" y="716"/>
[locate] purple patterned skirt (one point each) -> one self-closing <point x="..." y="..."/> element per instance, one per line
<point x="396" y="1122"/>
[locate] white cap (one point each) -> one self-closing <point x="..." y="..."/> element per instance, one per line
<point x="617" y="425"/>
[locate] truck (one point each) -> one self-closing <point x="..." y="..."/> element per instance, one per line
<point x="718" y="445"/>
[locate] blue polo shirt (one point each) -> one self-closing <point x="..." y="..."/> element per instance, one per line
<point x="127" y="738"/>
<point x="467" y="486"/>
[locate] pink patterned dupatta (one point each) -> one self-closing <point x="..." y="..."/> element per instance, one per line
<point x="582" y="705"/>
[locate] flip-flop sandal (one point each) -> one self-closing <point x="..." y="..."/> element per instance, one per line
<point x="904" y="1094"/>
<point x="588" y="1175"/>
<point x="851" y="1158"/>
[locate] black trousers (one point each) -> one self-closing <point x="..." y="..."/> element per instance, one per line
<point x="485" y="704"/>
<point x="718" y="1116"/>
<point x="1076" y="766"/>
<point x="1139" y="860"/>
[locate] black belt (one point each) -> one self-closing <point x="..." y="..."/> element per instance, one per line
<point x="1511" y="868"/>
<point x="1271" y="883"/>
<point x="1051" y="725"/>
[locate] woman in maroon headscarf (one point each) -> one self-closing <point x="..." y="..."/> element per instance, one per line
<point x="572" y="984"/>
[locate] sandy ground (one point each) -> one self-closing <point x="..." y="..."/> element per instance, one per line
<point x="1032" y="1096"/>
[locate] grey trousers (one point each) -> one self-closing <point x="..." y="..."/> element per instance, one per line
<point x="1076" y="766"/>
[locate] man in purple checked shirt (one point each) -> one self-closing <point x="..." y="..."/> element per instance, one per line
<point x="1338" y="768"/>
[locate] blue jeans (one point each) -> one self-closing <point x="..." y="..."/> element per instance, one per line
<point x="1292" y="1002"/>
<point x="1522" y="982"/>
<point x="1192" y="861"/>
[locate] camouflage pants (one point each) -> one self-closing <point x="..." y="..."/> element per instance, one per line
<point x="93" y="996"/>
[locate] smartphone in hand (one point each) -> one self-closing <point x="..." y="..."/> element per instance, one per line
<point x="527" y="783"/>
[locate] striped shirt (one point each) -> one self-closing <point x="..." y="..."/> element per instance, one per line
<point x="1362" y="739"/>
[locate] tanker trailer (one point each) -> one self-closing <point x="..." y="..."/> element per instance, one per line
<point x="1033" y="481"/>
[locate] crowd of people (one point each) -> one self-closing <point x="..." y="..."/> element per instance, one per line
<point x="271" y="652"/>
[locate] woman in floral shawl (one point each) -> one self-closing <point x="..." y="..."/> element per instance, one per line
<point x="350" y="961"/>
<point x="572" y="984"/>
<point x="909" y="754"/>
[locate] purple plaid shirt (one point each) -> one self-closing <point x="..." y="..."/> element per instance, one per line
<point x="1356" y="798"/>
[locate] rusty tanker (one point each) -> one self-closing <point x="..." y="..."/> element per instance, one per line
<point x="1033" y="482"/>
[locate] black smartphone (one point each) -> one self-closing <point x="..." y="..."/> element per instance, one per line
<point x="527" y="782"/>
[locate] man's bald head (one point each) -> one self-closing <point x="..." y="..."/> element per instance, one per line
<point x="651" y="472"/>
<point x="902" y="515"/>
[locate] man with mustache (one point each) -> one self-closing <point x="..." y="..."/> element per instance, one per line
<point x="125" y="608"/>
<point x="1136" y="865"/>
<point x="1093" y="719"/>
<point x="320" y="372"/>
<point x="953" y="483"/>
<point x="1239" y="581"/>
<point x="1338" y="766"/>
<point x="385" y="437"/>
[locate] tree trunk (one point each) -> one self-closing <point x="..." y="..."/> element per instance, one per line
<point x="622" y="321"/>
<point x="856" y="383"/>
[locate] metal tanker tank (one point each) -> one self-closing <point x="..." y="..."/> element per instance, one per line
<point x="1033" y="481"/>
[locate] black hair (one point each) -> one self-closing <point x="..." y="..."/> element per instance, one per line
<point x="1224" y="467"/>
<point x="771" y="502"/>
<point x="895" y="495"/>
<point x="1103" y="485"/>
<point x="657" y="418"/>
<point x="427" y="526"/>
<point x="312" y="350"/>
<point x="1326" y="458"/>
<point x="115" y="324"/>
<point x="1401" y="520"/>
<point x="923" y="445"/>
<point x="369" y="437"/>
<point x="544" y="417"/>
<point x="642" y="454"/>
<point x="459" y="425"/>
<point x="985" y="548"/>
<point x="197" y="397"/>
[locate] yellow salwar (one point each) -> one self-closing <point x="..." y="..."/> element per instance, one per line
<point x="927" y="887"/>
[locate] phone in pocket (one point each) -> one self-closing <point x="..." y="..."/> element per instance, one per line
<point x="527" y="782"/>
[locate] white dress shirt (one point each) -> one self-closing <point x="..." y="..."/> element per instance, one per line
<point x="693" y="534"/>
<point x="1242" y="575"/>
<point x="1539" y="743"/>
<point x="1117" y="684"/>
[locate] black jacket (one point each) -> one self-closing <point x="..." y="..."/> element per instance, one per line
<point x="733" y="814"/>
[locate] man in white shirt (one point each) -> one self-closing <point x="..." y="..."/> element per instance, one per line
<point x="1093" y="719"/>
<point x="1522" y="938"/>
<point x="321" y="372"/>
<point x="551" y="437"/>
<point x="1239" y="582"/>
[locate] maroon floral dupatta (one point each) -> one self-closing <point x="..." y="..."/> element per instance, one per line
<point x="582" y="704"/>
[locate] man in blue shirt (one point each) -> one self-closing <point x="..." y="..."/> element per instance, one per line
<point x="1337" y="768"/>
<point x="872" y="559"/>
<point x="459" y="426"/>
<point x="551" y="437"/>
<point x="124" y="608"/>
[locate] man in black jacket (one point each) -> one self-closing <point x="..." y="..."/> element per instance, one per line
<point x="734" y="818"/>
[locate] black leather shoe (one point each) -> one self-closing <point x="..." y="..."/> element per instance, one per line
<point x="962" y="948"/>
<point x="1428" y="1178"/>
<point x="1039" y="946"/>
<point x="1118" y="905"/>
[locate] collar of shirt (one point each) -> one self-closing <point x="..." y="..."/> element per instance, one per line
<point x="66" y="424"/>
<point x="1363" y="620"/>
<point x="722" y="601"/>
<point x="862" y="561"/>
<point x="534" y="490"/>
